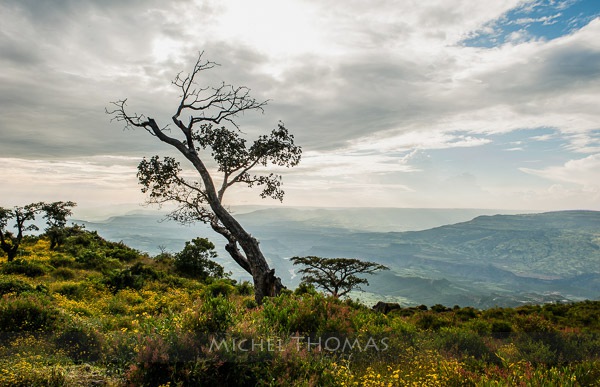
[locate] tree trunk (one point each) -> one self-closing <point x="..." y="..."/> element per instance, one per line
<point x="266" y="284"/>
<point x="11" y="254"/>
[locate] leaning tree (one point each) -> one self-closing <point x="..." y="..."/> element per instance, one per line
<point x="221" y="158"/>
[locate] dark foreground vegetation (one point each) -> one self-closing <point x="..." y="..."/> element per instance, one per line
<point x="93" y="312"/>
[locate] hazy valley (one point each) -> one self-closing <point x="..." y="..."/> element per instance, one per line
<point x="446" y="256"/>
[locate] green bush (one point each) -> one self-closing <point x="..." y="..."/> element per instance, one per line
<point x="215" y="316"/>
<point x="305" y="288"/>
<point x="75" y="291"/>
<point x="244" y="289"/>
<point x="26" y="268"/>
<point x="81" y="344"/>
<point x="90" y="259"/>
<point x="134" y="277"/>
<point x="462" y="342"/>
<point x="196" y="260"/>
<point x="289" y="314"/>
<point x="8" y="285"/>
<point x="219" y="288"/>
<point x="27" y="313"/>
<point x="60" y="260"/>
<point x="63" y="273"/>
<point x="122" y="252"/>
<point x="431" y="322"/>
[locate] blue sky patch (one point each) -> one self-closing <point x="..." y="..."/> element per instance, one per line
<point x="536" y="20"/>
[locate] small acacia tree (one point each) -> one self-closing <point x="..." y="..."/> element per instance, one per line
<point x="9" y="242"/>
<point x="338" y="276"/>
<point x="202" y="138"/>
<point x="56" y="219"/>
<point x="55" y="214"/>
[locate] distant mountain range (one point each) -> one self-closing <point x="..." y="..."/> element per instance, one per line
<point x="448" y="258"/>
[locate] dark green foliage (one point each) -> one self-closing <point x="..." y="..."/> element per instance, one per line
<point x="215" y="316"/>
<point x="465" y="314"/>
<point x="219" y="288"/>
<point x="27" y="313"/>
<point x="60" y="260"/>
<point x="74" y="291"/>
<point x="8" y="285"/>
<point x="91" y="259"/>
<point x="120" y="251"/>
<point x="56" y="219"/>
<point x="305" y="288"/>
<point x="133" y="277"/>
<point x="439" y="308"/>
<point x="26" y="268"/>
<point x="63" y="273"/>
<point x="501" y="328"/>
<point x="196" y="260"/>
<point x="80" y="343"/>
<point x="433" y="322"/>
<point x="309" y="314"/>
<point x="338" y="276"/>
<point x="461" y="342"/>
<point x="244" y="289"/>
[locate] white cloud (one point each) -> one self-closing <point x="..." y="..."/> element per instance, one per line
<point x="360" y="84"/>
<point x="584" y="172"/>
<point x="87" y="181"/>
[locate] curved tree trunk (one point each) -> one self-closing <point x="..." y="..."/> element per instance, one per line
<point x="266" y="284"/>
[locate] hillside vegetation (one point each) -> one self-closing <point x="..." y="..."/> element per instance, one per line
<point x="95" y="312"/>
<point x="500" y="260"/>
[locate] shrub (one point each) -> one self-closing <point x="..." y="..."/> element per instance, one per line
<point x="90" y="259"/>
<point x="27" y="313"/>
<point x="81" y="344"/>
<point x="465" y="314"/>
<point x="219" y="288"/>
<point x="60" y="260"/>
<point x="13" y="286"/>
<point x="133" y="277"/>
<point x="244" y="289"/>
<point x="63" y="273"/>
<point x="305" y="288"/>
<point x="121" y="251"/>
<point x="196" y="260"/>
<point x="428" y="321"/>
<point x="290" y="314"/>
<point x="27" y="268"/>
<point x="464" y="343"/>
<point x="501" y="328"/>
<point x="215" y="316"/>
<point x="75" y="291"/>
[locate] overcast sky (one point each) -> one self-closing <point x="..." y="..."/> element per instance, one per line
<point x="412" y="103"/>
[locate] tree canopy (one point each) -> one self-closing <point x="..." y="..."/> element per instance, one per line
<point x="21" y="217"/>
<point x="338" y="276"/>
<point x="206" y="133"/>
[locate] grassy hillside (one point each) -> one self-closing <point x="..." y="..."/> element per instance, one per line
<point x="100" y="313"/>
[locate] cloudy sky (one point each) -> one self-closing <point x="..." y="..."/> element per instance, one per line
<point x="412" y="103"/>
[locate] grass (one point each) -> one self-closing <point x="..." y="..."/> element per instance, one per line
<point x="100" y="313"/>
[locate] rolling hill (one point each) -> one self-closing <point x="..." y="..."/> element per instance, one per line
<point x="490" y="260"/>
